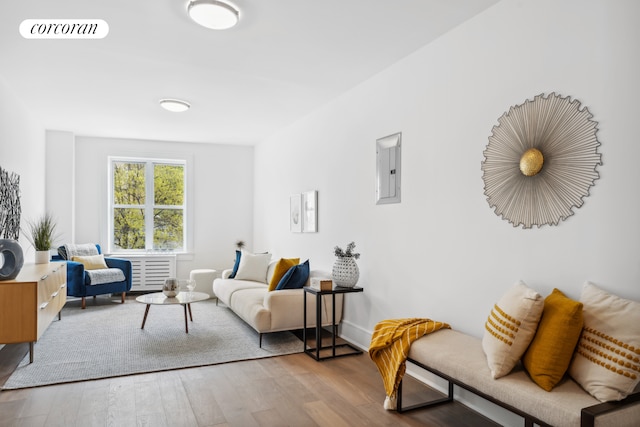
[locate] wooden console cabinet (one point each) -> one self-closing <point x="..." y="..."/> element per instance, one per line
<point x="29" y="303"/>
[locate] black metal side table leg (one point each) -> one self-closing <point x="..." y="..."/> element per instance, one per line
<point x="318" y="325"/>
<point x="304" y="326"/>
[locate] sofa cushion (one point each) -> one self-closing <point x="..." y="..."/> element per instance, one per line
<point x="549" y="355"/>
<point x="510" y="328"/>
<point x="226" y="288"/>
<point x="253" y="267"/>
<point x="607" y="359"/>
<point x="295" y="278"/>
<point x="234" y="271"/>
<point x="282" y="266"/>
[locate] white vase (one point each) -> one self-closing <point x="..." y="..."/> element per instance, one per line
<point x="42" y="257"/>
<point x="345" y="272"/>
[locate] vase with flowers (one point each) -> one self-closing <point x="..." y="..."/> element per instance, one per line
<point x="345" y="271"/>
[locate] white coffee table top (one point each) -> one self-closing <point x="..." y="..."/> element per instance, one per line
<point x="159" y="298"/>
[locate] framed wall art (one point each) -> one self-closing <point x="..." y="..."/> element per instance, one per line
<point x="295" y="213"/>
<point x="310" y="212"/>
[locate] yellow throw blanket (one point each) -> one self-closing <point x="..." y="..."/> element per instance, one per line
<point x="390" y="344"/>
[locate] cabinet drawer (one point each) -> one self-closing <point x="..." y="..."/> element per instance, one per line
<point x="52" y="294"/>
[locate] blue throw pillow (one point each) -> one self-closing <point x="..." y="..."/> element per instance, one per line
<point x="235" y="266"/>
<point x="295" y="277"/>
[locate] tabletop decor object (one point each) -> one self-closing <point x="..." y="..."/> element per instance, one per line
<point x="41" y="235"/>
<point x="171" y="288"/>
<point x="11" y="259"/>
<point x="345" y="271"/>
<point x="541" y="161"/>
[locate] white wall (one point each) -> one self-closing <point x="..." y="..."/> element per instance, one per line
<point x="61" y="183"/>
<point x="221" y="202"/>
<point x="22" y="146"/>
<point x="443" y="253"/>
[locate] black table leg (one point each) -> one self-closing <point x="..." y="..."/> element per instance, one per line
<point x="186" y="323"/>
<point x="144" y="319"/>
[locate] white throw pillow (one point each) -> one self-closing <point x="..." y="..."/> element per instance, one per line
<point x="510" y="328"/>
<point x="253" y="267"/>
<point x="606" y="362"/>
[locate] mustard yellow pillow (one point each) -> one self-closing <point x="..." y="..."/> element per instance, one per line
<point x="282" y="266"/>
<point x="549" y="354"/>
<point x="91" y="262"/>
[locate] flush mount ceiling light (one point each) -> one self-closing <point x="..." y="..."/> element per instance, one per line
<point x="213" y="14"/>
<point x="174" y="105"/>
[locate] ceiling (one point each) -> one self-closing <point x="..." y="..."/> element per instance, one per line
<point x="283" y="60"/>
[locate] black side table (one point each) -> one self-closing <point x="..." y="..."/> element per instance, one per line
<point x="315" y="352"/>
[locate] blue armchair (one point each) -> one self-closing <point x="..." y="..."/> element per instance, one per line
<point x="78" y="282"/>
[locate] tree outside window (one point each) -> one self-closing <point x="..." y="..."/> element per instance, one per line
<point x="148" y="205"/>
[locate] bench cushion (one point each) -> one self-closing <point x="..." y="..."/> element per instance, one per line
<point x="460" y="356"/>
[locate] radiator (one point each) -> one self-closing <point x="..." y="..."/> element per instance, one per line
<point x="150" y="271"/>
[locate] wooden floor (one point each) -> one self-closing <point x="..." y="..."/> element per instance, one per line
<point x="292" y="390"/>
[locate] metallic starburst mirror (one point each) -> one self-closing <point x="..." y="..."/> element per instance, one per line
<point x="541" y="161"/>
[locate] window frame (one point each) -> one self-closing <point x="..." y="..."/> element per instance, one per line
<point x="149" y="207"/>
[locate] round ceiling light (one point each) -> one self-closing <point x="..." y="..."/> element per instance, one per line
<point x="213" y="14"/>
<point x="174" y="105"/>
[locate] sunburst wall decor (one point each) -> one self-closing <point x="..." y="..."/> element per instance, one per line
<point x="541" y="161"/>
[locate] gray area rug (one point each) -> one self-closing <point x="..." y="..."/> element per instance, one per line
<point x="106" y="341"/>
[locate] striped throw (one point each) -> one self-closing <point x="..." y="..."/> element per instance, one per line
<point x="390" y="344"/>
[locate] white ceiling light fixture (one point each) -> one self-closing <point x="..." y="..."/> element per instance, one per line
<point x="213" y="14"/>
<point x="174" y="105"/>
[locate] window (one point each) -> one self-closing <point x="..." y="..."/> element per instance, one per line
<point x="147" y="205"/>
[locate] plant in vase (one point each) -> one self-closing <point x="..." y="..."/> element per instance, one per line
<point x="41" y="234"/>
<point x="345" y="271"/>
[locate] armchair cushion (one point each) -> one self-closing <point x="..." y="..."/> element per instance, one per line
<point x="91" y="262"/>
<point x="102" y="276"/>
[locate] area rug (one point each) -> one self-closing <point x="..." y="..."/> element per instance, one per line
<point x="105" y="340"/>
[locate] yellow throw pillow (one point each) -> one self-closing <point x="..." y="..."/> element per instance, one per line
<point x="549" y="355"/>
<point x="282" y="266"/>
<point x="607" y="358"/>
<point x="91" y="262"/>
<point x="510" y="328"/>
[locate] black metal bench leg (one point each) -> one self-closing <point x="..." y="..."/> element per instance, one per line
<point x="400" y="409"/>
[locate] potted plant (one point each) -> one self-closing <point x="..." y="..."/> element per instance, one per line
<point x="41" y="234"/>
<point x="345" y="271"/>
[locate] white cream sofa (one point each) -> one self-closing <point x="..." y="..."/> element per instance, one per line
<point x="274" y="311"/>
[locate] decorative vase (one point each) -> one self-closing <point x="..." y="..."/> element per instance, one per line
<point x="11" y="259"/>
<point x="345" y="272"/>
<point x="42" y="257"/>
<point x="171" y="288"/>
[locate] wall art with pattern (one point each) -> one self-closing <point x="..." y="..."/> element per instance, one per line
<point x="541" y="161"/>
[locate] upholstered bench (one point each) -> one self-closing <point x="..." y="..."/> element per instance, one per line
<point x="460" y="359"/>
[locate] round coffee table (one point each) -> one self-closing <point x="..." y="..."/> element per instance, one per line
<point x="184" y="298"/>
